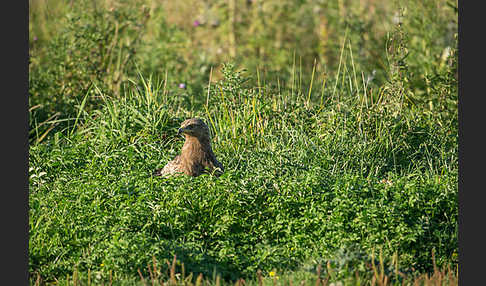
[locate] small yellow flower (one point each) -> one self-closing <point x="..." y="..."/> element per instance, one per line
<point x="272" y="273"/>
<point x="102" y="264"/>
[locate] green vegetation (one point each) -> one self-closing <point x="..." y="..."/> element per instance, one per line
<point x="337" y="129"/>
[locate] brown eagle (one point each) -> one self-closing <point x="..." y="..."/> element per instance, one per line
<point x="196" y="156"/>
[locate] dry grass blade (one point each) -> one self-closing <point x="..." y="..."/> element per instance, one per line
<point x="259" y="276"/>
<point x="38" y="280"/>
<point x="218" y="282"/>
<point x="199" y="280"/>
<point x="172" y="271"/>
<point x="318" y="280"/>
<point x="324" y="283"/>
<point x="151" y="274"/>
<point x="141" y="277"/>
<point x="45" y="133"/>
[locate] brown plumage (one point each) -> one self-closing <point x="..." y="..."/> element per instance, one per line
<point x="196" y="156"/>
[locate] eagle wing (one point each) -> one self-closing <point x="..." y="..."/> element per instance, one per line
<point x="171" y="168"/>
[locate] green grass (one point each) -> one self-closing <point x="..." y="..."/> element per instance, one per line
<point x="301" y="185"/>
<point x="322" y="167"/>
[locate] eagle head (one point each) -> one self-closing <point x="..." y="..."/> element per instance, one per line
<point x="195" y="127"/>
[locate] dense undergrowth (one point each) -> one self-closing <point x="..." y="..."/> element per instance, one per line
<point x="320" y="167"/>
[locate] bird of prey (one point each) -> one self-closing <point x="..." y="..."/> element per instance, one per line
<point x="196" y="156"/>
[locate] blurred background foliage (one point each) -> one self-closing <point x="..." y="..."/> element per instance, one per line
<point x="77" y="44"/>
